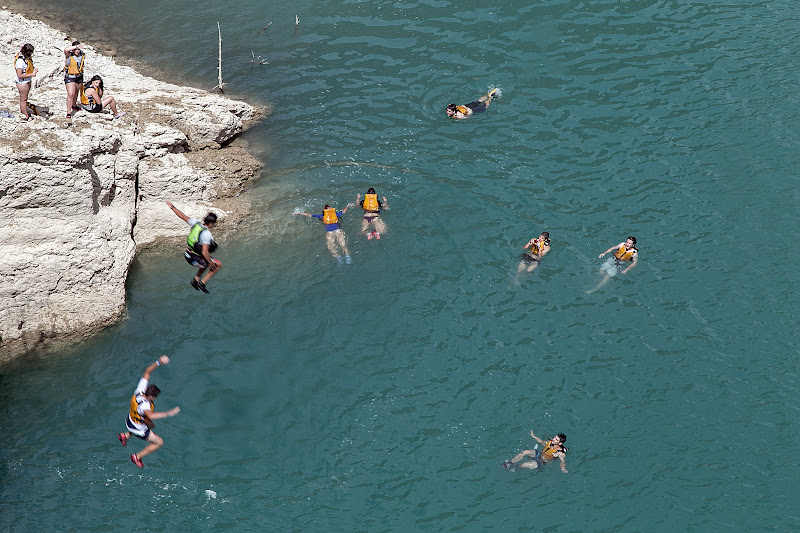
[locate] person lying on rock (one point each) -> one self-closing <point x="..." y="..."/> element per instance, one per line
<point x="199" y="246"/>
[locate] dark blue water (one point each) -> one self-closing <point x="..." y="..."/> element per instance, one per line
<point x="383" y="395"/>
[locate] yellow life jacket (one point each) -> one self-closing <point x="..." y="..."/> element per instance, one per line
<point x="550" y="450"/>
<point x="624" y="255"/>
<point x="329" y="216"/>
<point x="135" y="416"/>
<point x="535" y="247"/>
<point x="73" y="65"/>
<point x="88" y="100"/>
<point x="371" y="203"/>
<point x="464" y="110"/>
<point x="28" y="62"/>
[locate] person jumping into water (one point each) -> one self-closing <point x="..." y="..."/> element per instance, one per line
<point x="533" y="253"/>
<point x="372" y="214"/>
<point x="199" y="246"/>
<point x="141" y="415"/>
<point x="334" y="236"/>
<point x="552" y="449"/>
<point x="624" y="252"/>
<point x="479" y="106"/>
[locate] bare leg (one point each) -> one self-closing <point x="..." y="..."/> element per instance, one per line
<point x="72" y="93"/>
<point x="199" y="273"/>
<point x="380" y="225"/>
<point x="605" y="279"/>
<point x="24" y="89"/>
<point x="155" y="443"/>
<point x="341" y="240"/>
<point x="212" y="273"/>
<point x="330" y="240"/>
<point x="109" y="101"/>
<point x="364" y="226"/>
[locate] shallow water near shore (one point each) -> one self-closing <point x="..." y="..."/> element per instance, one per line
<point x="384" y="395"/>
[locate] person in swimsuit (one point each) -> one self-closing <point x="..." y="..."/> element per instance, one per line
<point x="533" y="252"/>
<point x="624" y="252"/>
<point x="141" y="414"/>
<point x="466" y="111"/>
<point x="92" y="100"/>
<point x="24" y="72"/>
<point x="372" y="214"/>
<point x="551" y="450"/>
<point x="74" y="60"/>
<point x="334" y="236"/>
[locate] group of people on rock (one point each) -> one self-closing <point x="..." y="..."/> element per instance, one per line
<point x="87" y="96"/>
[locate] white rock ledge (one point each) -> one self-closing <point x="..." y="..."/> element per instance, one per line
<point x="77" y="197"/>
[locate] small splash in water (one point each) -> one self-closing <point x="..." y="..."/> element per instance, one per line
<point x="498" y="92"/>
<point x="296" y="211"/>
<point x="211" y="495"/>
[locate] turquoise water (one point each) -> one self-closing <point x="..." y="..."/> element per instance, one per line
<point x="383" y="395"/>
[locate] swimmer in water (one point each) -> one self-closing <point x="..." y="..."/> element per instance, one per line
<point x="372" y="214"/>
<point x="624" y="252"/>
<point x="553" y="449"/>
<point x="334" y="236"/>
<point x="466" y="111"/>
<point x="533" y="252"/>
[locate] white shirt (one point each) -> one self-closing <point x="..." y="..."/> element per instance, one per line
<point x="22" y="65"/>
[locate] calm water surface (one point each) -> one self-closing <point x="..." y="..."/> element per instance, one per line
<point x="383" y="395"/>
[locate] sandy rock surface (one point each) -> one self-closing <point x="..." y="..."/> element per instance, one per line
<point x="78" y="196"/>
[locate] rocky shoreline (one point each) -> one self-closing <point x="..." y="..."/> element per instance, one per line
<point x="79" y="196"/>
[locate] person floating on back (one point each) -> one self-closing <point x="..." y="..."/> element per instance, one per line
<point x="552" y="449"/>
<point x="533" y="252"/>
<point x="141" y="415"/>
<point x="479" y="106"/>
<point x="372" y="214"/>
<point x="624" y="252"/>
<point x="334" y="236"/>
<point x="199" y="247"/>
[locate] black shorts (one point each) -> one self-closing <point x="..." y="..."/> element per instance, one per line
<point x="95" y="108"/>
<point x="477" y="107"/>
<point x="528" y="258"/>
<point x="77" y="78"/>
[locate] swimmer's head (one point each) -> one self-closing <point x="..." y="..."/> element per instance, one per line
<point x="545" y="236"/>
<point x="210" y="219"/>
<point x="631" y="240"/>
<point x="327" y="206"/>
<point x="27" y="50"/>
<point x="451" y="110"/>
<point x="152" y="391"/>
<point x="371" y="190"/>
<point x="561" y="438"/>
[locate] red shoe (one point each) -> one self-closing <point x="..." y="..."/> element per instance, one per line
<point x="377" y="235"/>
<point x="123" y="439"/>
<point x="135" y="460"/>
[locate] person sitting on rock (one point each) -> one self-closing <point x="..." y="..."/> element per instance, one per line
<point x="91" y="97"/>
<point x="199" y="246"/>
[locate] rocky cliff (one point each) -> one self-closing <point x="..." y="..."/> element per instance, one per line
<point x="79" y="195"/>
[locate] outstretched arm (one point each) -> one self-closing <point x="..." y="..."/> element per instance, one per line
<point x="304" y="214"/>
<point x="348" y="206"/>
<point x="611" y="249"/>
<point x="384" y="206"/>
<point x="537" y="439"/>
<point x="161" y="414"/>
<point x="178" y="212"/>
<point x="564" y="465"/>
<point x="163" y="360"/>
